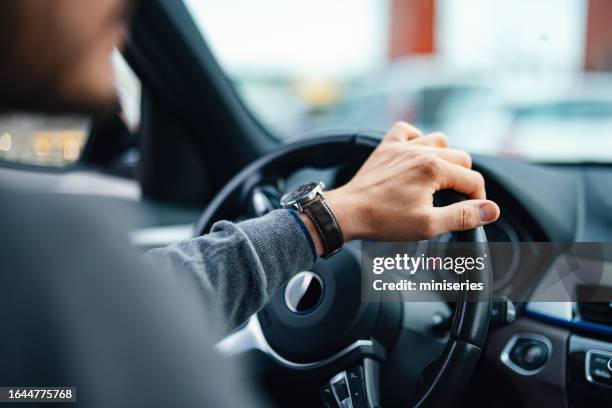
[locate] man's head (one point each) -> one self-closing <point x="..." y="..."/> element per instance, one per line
<point x="56" y="53"/>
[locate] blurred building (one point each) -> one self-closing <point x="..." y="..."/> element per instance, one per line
<point x="573" y="33"/>
<point x="599" y="35"/>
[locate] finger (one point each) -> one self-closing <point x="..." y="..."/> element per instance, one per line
<point x="448" y="175"/>
<point x="402" y="131"/>
<point x="436" y="139"/>
<point x="464" y="216"/>
<point x="458" y="157"/>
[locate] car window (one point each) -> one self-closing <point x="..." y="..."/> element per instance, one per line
<point x="58" y="141"/>
<point x="543" y="67"/>
<point x="291" y="60"/>
<point x="314" y="65"/>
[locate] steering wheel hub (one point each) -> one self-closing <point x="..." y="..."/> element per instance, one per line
<point x="320" y="311"/>
<point x="304" y="292"/>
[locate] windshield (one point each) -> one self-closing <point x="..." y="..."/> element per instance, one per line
<point x="519" y="78"/>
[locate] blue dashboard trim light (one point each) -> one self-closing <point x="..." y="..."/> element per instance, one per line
<point x="575" y="324"/>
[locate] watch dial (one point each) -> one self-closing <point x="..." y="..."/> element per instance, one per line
<point x="298" y="193"/>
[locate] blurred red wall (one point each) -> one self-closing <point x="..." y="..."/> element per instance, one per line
<point x="599" y="36"/>
<point x="412" y="27"/>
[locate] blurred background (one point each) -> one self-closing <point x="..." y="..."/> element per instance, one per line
<point x="521" y="78"/>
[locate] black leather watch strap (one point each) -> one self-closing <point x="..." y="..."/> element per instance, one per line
<point x="326" y="224"/>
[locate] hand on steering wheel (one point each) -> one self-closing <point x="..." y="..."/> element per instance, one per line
<point x="391" y="196"/>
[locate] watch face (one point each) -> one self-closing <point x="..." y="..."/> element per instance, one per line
<point x="298" y="194"/>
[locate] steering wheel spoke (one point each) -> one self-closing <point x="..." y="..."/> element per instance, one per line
<point x="263" y="199"/>
<point x="250" y="337"/>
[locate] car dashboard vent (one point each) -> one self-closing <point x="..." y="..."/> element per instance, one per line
<point x="596" y="312"/>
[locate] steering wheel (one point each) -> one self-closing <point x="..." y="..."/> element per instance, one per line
<point x="357" y="353"/>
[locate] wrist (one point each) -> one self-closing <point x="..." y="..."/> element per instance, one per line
<point x="347" y="211"/>
<point x="314" y="234"/>
<point x="347" y="216"/>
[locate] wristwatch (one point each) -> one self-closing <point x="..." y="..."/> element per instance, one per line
<point x="309" y="199"/>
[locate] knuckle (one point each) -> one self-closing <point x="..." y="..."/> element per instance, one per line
<point x="480" y="181"/>
<point x="428" y="164"/>
<point x="441" y="138"/>
<point x="466" y="218"/>
<point x="467" y="158"/>
<point x="406" y="129"/>
<point x="402" y="126"/>
<point x="396" y="133"/>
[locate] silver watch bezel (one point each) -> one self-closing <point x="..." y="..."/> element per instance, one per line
<point x="297" y="203"/>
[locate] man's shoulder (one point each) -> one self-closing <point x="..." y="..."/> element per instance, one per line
<point x="60" y="228"/>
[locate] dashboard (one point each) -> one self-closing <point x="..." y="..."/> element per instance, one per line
<point x="557" y="351"/>
<point x="571" y="342"/>
<point x="561" y="204"/>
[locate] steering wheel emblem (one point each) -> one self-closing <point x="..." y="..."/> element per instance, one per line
<point x="304" y="292"/>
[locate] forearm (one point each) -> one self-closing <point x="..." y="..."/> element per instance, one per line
<point x="237" y="267"/>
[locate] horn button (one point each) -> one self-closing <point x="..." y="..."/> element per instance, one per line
<point x="303" y="292"/>
<point x="319" y="312"/>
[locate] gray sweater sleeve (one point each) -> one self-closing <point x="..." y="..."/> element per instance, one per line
<point x="236" y="267"/>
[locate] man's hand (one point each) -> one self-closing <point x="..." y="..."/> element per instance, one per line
<point x="391" y="196"/>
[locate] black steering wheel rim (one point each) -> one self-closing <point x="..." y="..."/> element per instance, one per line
<point x="471" y="319"/>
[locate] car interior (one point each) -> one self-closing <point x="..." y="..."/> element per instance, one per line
<point x="198" y="154"/>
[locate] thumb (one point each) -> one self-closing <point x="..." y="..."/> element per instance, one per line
<point x="466" y="215"/>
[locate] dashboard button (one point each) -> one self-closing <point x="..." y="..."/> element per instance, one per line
<point x="327" y="395"/>
<point x="526" y="353"/>
<point x="356" y="386"/>
<point x="535" y="355"/>
<point x="529" y="354"/>
<point x="341" y="390"/>
<point x="599" y="367"/>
